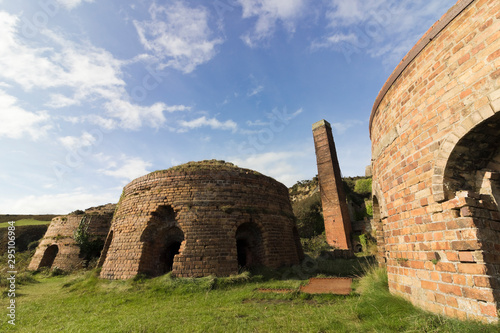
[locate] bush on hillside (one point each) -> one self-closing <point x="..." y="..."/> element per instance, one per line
<point x="309" y="216"/>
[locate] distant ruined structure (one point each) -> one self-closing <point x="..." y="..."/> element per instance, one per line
<point x="335" y="211"/>
<point x="199" y="219"/>
<point x="435" y="131"/>
<point x="58" y="247"/>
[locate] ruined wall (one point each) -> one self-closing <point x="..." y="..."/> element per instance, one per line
<point x="58" y="247"/>
<point x="435" y="131"/>
<point x="199" y="219"/>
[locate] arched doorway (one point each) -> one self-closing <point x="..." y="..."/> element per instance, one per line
<point x="474" y="163"/>
<point x="49" y="256"/>
<point x="162" y="241"/>
<point x="249" y="245"/>
<point x="171" y="248"/>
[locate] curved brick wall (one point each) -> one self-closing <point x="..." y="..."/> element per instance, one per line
<point x="435" y="131"/>
<point x="208" y="217"/>
<point x="58" y="247"/>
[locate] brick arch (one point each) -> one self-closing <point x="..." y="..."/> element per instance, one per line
<point x="250" y="244"/>
<point x="377" y="192"/>
<point x="449" y="144"/>
<point x="49" y="256"/>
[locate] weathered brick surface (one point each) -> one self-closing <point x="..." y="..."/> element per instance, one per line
<point x="435" y="149"/>
<point x="59" y="236"/>
<point x="209" y="205"/>
<point x="333" y="200"/>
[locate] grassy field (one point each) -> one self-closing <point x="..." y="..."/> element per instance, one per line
<point x="81" y="302"/>
<point x="24" y="222"/>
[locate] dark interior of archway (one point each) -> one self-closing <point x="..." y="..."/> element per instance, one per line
<point x="162" y="241"/>
<point x="472" y="153"/>
<point x="242" y="249"/>
<point x="249" y="245"/>
<point x="49" y="256"/>
<point x="171" y="250"/>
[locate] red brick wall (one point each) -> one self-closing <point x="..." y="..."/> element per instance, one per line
<point x="210" y="201"/>
<point x="433" y="133"/>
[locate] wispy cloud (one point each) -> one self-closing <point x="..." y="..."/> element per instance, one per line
<point x="208" y="122"/>
<point x="134" y="116"/>
<point x="379" y="28"/>
<point x="84" y="72"/>
<point x="129" y="169"/>
<point x="341" y="128"/>
<point x="269" y="13"/>
<point x="74" y="142"/>
<point x="61" y="203"/>
<point x="281" y="165"/>
<point x="179" y="36"/>
<point x="70" y="4"/>
<point x="16" y="122"/>
<point x="255" y="91"/>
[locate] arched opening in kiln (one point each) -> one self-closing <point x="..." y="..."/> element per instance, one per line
<point x="49" y="256"/>
<point x="104" y="251"/>
<point x="162" y="242"/>
<point x="249" y="245"/>
<point x="474" y="163"/>
<point x="172" y="249"/>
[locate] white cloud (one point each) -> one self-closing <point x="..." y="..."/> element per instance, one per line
<point x="332" y="40"/>
<point x="82" y="67"/>
<point x="61" y="101"/>
<point x="73" y="142"/>
<point x="380" y="28"/>
<point x="178" y="35"/>
<point x="210" y="122"/>
<point x="133" y="116"/>
<point x="16" y="122"/>
<point x="105" y="123"/>
<point x="131" y="168"/>
<point x="88" y="73"/>
<point x="341" y="128"/>
<point x="70" y="4"/>
<point x="62" y="203"/>
<point x="283" y="166"/>
<point x="268" y="13"/>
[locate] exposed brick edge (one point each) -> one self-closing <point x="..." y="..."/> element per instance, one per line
<point x="273" y="290"/>
<point x="433" y="31"/>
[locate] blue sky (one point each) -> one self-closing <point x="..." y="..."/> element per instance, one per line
<point x="96" y="93"/>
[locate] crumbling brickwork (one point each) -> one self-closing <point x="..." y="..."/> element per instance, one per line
<point x="335" y="211"/>
<point x="435" y="131"/>
<point x="199" y="219"/>
<point x="58" y="247"/>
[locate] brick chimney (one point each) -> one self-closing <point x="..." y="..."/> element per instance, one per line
<point x="335" y="211"/>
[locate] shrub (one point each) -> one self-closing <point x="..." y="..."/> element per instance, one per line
<point x="309" y="216"/>
<point x="363" y="186"/>
<point x="315" y="245"/>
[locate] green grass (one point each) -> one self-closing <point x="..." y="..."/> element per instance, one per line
<point x="85" y="303"/>
<point x="82" y="302"/>
<point x="24" y="222"/>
